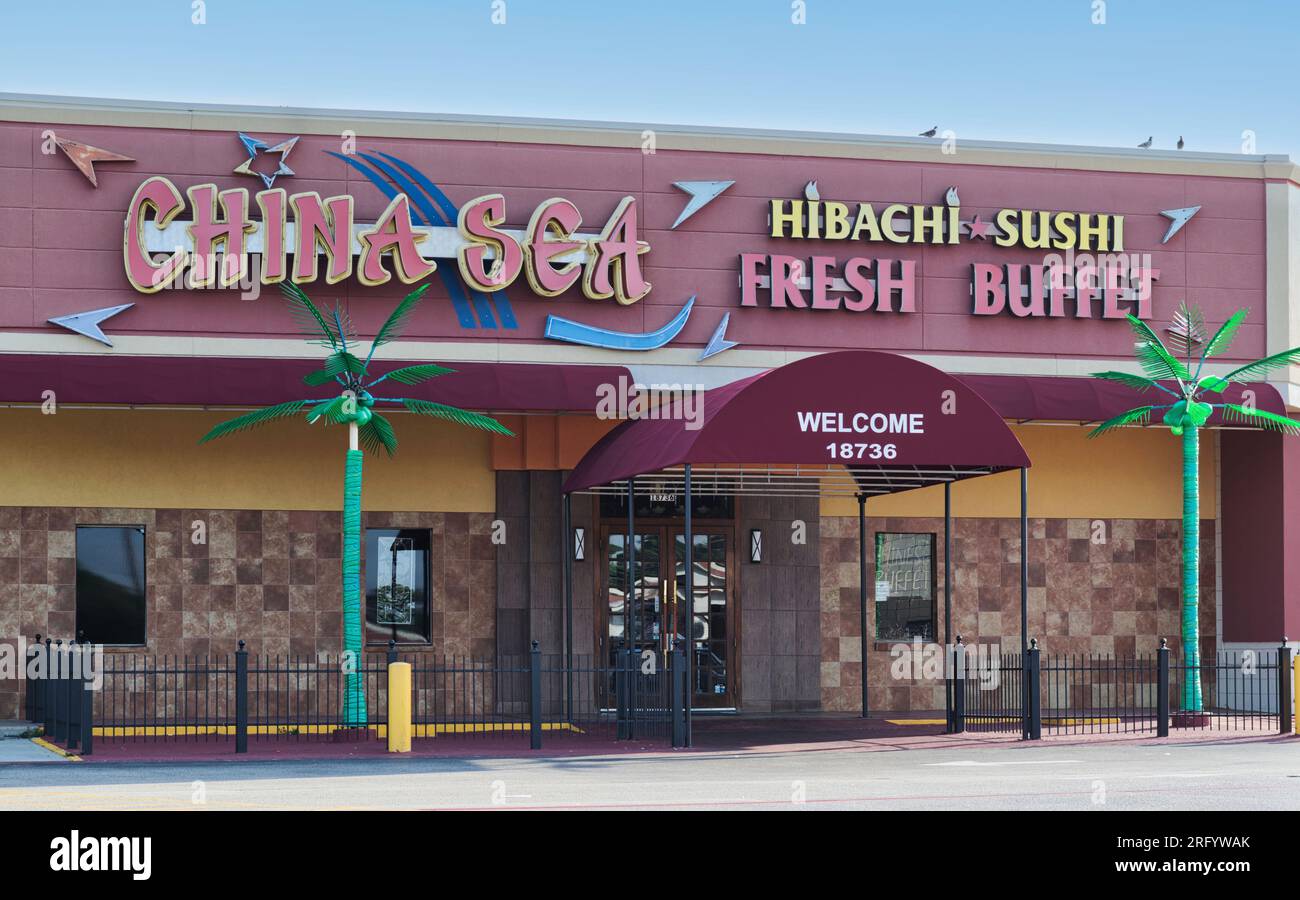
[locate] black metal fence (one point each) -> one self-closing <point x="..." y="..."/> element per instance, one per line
<point x="1037" y="693"/>
<point x="238" y="697"/>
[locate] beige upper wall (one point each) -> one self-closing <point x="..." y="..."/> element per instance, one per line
<point x="148" y="458"/>
<point x="373" y="123"/>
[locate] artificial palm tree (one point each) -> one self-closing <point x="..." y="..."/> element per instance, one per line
<point x="354" y="407"/>
<point x="1185" y="413"/>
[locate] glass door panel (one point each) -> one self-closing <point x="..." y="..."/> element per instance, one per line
<point x="638" y="624"/>
<point x="711" y="624"/>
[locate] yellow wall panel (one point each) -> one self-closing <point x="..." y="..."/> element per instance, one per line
<point x="1130" y="473"/>
<point x="151" y="458"/>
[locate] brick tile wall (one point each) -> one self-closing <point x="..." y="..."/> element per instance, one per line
<point x="1119" y="597"/>
<point x="269" y="577"/>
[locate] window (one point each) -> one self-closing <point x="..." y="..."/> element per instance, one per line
<point x="705" y="504"/>
<point x="904" y="586"/>
<point x="110" y="584"/>
<point x="397" y="585"/>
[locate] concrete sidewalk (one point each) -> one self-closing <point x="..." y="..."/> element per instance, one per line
<point x="714" y="736"/>
<point x="23" y="750"/>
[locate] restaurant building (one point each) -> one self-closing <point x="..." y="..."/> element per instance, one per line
<point x="570" y="263"/>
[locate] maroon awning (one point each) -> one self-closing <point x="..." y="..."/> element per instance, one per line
<point x="248" y="381"/>
<point x="892" y="421"/>
<point x="1026" y="398"/>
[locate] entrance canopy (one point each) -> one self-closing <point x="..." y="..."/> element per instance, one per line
<point x="852" y="422"/>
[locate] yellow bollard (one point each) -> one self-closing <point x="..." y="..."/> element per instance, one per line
<point x="399" y="707"/>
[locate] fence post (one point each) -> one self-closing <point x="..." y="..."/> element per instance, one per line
<point x="87" y="700"/>
<point x="1033" y="692"/>
<point x="679" y="694"/>
<point x="1284" y="688"/>
<point x="535" y="696"/>
<point x="47" y="695"/>
<point x="241" y="699"/>
<point x="74" y="695"/>
<point x="1162" y="689"/>
<point x="29" y="710"/>
<point x="620" y="694"/>
<point x="959" y="689"/>
<point x="60" y="693"/>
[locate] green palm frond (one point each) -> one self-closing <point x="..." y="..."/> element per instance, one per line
<point x="1159" y="363"/>
<point x="1154" y="356"/>
<point x="254" y="418"/>
<point x="1138" y="416"/>
<point x="1244" y="415"/>
<point x="1187" y="331"/>
<point x="310" y="320"/>
<point x="1224" y="336"/>
<point x="454" y="414"/>
<point x="413" y="374"/>
<point x="378" y="434"/>
<point x="331" y="410"/>
<point x="1137" y="382"/>
<point x="343" y="326"/>
<point x="391" y="330"/>
<point x="1261" y="367"/>
<point x="338" y="363"/>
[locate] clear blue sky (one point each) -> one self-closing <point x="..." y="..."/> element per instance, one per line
<point x="1021" y="70"/>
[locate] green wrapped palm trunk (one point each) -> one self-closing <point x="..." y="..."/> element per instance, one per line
<point x="354" y="692"/>
<point x="1191" y="700"/>
<point x="355" y="408"/>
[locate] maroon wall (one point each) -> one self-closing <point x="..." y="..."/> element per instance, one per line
<point x="1260" y="506"/>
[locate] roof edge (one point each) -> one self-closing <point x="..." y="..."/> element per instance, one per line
<point x="53" y="109"/>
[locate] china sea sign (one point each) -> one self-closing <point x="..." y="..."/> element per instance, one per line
<point x="1188" y="404"/>
<point x="355" y="407"/>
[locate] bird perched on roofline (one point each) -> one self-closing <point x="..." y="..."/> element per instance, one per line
<point x="1145" y="145"/>
<point x="931" y="133"/>
<point x="1180" y="142"/>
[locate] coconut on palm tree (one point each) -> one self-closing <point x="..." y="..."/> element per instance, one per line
<point x="355" y="407"/>
<point x="1189" y="405"/>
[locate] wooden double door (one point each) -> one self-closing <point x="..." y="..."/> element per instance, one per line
<point x="659" y="608"/>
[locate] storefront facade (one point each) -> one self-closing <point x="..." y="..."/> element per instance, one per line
<point x="569" y="262"/>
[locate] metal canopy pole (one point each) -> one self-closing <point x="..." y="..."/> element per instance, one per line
<point x="629" y="604"/>
<point x="1024" y="560"/>
<point x="689" y="632"/>
<point x="1024" y="597"/>
<point x="862" y="591"/>
<point x="567" y="520"/>
<point x="629" y="612"/>
<point x="947" y="596"/>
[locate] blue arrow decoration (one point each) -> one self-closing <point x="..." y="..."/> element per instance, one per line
<point x="702" y="193"/>
<point x="718" y="342"/>
<point x="87" y="323"/>
<point x="561" y="329"/>
<point x="1177" y="219"/>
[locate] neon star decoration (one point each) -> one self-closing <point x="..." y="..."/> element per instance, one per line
<point x="978" y="229"/>
<point x="254" y="146"/>
<point x="84" y="157"/>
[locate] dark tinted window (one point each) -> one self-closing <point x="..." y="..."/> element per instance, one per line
<point x="110" y="584"/>
<point x="397" y="585"/>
